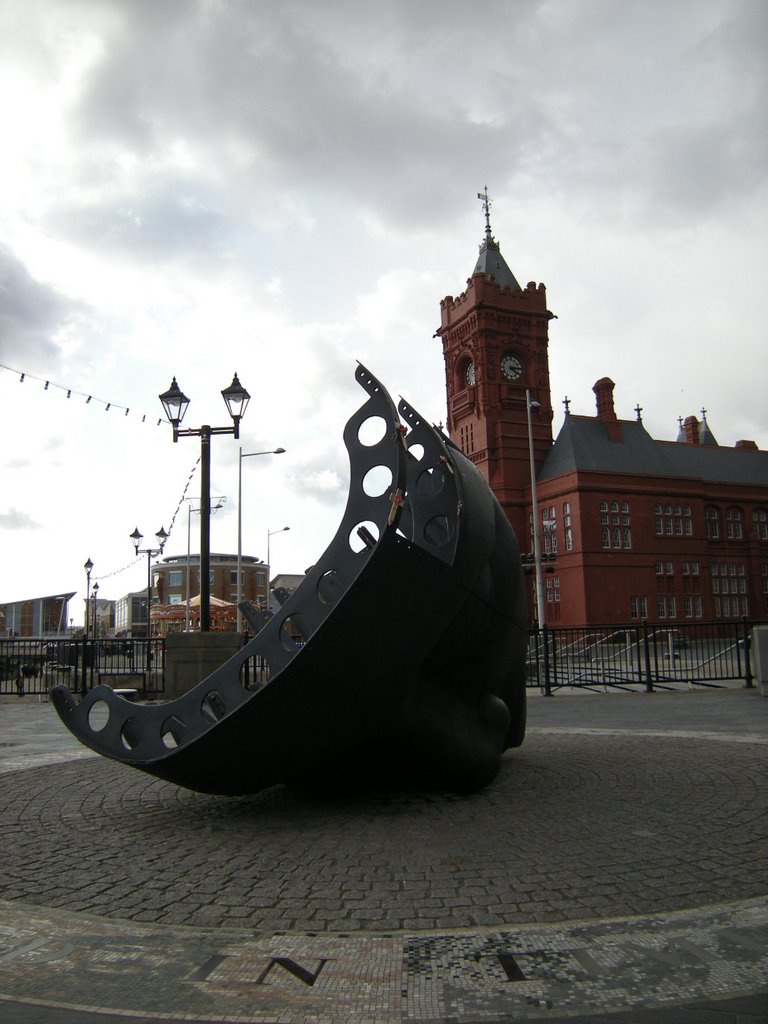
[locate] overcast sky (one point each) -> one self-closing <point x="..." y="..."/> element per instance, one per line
<point x="198" y="187"/>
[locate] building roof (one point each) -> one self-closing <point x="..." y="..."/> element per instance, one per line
<point x="491" y="262"/>
<point x="584" y="445"/>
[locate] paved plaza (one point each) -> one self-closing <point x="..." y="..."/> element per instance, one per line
<point x="616" y="870"/>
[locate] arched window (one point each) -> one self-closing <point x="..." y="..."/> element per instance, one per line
<point x="733" y="523"/>
<point x="760" y="523"/>
<point x="567" y="528"/>
<point x="712" y="520"/>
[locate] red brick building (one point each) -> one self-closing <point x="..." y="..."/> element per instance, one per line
<point x="631" y="528"/>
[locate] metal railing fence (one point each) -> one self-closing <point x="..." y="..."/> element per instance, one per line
<point x="631" y="657"/>
<point x="640" y="656"/>
<point x="30" y="665"/>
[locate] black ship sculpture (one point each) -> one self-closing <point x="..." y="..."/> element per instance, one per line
<point x="401" y="655"/>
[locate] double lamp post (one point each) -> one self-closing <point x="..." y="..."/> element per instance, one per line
<point x="175" y="404"/>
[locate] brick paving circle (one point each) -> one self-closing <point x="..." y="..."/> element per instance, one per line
<point x="574" y="827"/>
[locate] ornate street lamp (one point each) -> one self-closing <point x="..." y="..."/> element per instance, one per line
<point x="150" y="552"/>
<point x="175" y="404"/>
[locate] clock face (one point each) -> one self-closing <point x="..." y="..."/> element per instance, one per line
<point x="511" y="367"/>
<point x="471" y="374"/>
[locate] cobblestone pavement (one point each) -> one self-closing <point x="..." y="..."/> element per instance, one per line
<point x="618" y="863"/>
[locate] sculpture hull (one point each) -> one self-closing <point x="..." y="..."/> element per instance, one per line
<point x="401" y="654"/>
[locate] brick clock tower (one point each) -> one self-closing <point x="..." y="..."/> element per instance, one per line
<point x="495" y="344"/>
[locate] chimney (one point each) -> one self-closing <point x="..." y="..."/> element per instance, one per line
<point x="750" y="446"/>
<point x="691" y="428"/>
<point x="603" y="390"/>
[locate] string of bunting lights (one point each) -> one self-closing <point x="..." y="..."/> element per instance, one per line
<point x="181" y="501"/>
<point x="48" y="384"/>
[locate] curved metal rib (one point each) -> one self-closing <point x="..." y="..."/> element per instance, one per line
<point x="406" y="559"/>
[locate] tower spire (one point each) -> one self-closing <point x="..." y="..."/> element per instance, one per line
<point x="487" y="210"/>
<point x="490" y="261"/>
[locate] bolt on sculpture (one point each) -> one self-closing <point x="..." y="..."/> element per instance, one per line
<point x="401" y="654"/>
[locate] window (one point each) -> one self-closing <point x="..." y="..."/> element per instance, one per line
<point x="567" y="529"/>
<point x="467" y="438"/>
<point x="549" y="530"/>
<point x="688" y="606"/>
<point x="729" y="584"/>
<point x="553" y="590"/>
<point x="687" y="521"/>
<point x="233" y="576"/>
<point x="174" y="578"/>
<point x="671" y="607"/>
<point x="764" y="578"/>
<point x="733" y="524"/>
<point x="673" y="520"/>
<point x="174" y="599"/>
<point x="760" y="524"/>
<point x="618" y="519"/>
<point x="697" y="606"/>
<point x="662" y="605"/>
<point x="712" y="521"/>
<point x="638" y="607"/>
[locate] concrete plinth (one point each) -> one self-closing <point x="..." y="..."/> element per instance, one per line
<point x="190" y="657"/>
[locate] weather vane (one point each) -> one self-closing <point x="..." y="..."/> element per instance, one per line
<point x="487" y="208"/>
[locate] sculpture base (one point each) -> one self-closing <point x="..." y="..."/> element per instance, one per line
<point x="190" y="657"/>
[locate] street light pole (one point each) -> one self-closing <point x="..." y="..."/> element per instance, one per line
<point x="88" y="566"/>
<point x="95" y="607"/>
<point x="535" y="508"/>
<point x="271" y="533"/>
<point x="220" y="499"/>
<point x="175" y="404"/>
<point x="245" y="455"/>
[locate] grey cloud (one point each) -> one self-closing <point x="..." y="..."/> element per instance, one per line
<point x="634" y="110"/>
<point x="30" y="315"/>
<point x="14" y="519"/>
<point x="266" y="80"/>
<point x="178" y="217"/>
